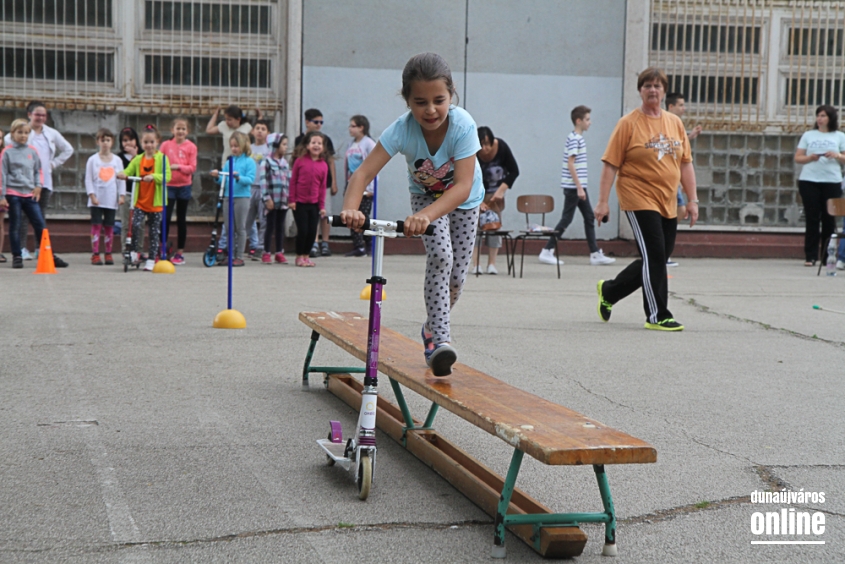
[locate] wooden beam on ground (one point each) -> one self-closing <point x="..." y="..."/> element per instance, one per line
<point x="477" y="482"/>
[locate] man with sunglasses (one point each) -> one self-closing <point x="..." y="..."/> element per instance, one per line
<point x="314" y="122"/>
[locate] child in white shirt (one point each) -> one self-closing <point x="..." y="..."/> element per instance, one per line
<point x="106" y="192"/>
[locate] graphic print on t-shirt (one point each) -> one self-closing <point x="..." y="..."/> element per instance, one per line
<point x="663" y="145"/>
<point x="433" y="181"/>
<point x="106" y="173"/>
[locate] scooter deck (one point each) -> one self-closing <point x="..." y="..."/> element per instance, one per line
<point x="336" y="451"/>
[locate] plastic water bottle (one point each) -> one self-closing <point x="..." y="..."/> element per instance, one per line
<point x="830" y="267"/>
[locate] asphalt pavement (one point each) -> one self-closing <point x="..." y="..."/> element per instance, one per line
<point x="133" y="431"/>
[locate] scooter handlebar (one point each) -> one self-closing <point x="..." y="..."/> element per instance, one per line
<point x="370" y="224"/>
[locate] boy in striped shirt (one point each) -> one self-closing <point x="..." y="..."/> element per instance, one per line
<point x="573" y="180"/>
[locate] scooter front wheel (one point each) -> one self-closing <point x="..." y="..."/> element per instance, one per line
<point x="209" y="258"/>
<point x="365" y="476"/>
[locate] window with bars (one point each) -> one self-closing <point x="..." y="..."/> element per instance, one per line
<point x="701" y="89"/>
<point x="814" y="92"/>
<point x="207" y="71"/>
<point x="705" y="38"/>
<point x="90" y="13"/>
<point x="206" y="17"/>
<point x="57" y="64"/>
<point x="806" y="41"/>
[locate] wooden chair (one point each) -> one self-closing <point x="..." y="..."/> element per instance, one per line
<point x="836" y="208"/>
<point x="534" y="204"/>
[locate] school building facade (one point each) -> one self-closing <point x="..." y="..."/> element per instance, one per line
<point x="753" y="72"/>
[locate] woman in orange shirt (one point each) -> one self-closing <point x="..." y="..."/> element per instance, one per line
<point x="648" y="154"/>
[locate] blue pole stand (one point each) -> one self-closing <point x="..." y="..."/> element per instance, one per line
<point x="164" y="266"/>
<point x="230" y="318"/>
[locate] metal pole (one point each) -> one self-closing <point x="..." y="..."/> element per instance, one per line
<point x="231" y="219"/>
<point x="164" y="207"/>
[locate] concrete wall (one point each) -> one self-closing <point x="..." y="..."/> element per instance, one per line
<point x="528" y="63"/>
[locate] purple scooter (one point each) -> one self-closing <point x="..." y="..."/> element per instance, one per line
<point x="358" y="454"/>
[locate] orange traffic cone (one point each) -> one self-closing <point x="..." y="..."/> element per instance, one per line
<point x="46" y="265"/>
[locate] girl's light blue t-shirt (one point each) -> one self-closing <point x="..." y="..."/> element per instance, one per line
<point x="823" y="170"/>
<point x="434" y="174"/>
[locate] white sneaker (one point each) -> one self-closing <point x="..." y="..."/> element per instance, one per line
<point x="670" y="262"/>
<point x="491" y="269"/>
<point x="840" y="265"/>
<point x="547" y="256"/>
<point x="599" y="258"/>
<point x="149" y="265"/>
<point x="26" y="255"/>
<point x="476" y="270"/>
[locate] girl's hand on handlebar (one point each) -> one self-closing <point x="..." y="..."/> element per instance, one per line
<point x="353" y="219"/>
<point x="149" y="178"/>
<point x="323" y="213"/>
<point x="416" y="225"/>
<point x="215" y="173"/>
<point x="121" y="176"/>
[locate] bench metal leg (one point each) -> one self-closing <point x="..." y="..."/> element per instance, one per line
<point x="432" y="412"/>
<point x="406" y="413"/>
<point x="607" y="501"/>
<point x="499" y="550"/>
<point x="403" y="406"/>
<point x="306" y="368"/>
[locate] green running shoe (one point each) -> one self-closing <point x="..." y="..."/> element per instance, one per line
<point x="665" y="325"/>
<point x="604" y="307"/>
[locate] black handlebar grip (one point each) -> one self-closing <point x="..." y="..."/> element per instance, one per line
<point x="400" y="228"/>
<point x="336" y="221"/>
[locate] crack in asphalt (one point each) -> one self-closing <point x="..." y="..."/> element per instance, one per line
<point x="792" y="333"/>
<point x="340" y="527"/>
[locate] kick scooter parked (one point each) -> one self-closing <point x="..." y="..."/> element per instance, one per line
<point x="358" y="454"/>
<point x="210" y="256"/>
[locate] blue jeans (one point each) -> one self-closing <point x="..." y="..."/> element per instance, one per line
<point x="17" y="207"/>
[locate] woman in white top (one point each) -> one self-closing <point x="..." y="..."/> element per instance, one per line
<point x="821" y="151"/>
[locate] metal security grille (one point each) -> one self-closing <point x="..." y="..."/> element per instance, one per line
<point x="713" y="53"/>
<point x="177" y="57"/>
<point x="750" y="65"/>
<point x="95" y="13"/>
<point x="204" y="17"/>
<point x="53" y="64"/>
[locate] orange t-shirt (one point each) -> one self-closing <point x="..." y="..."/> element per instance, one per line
<point x="147" y="190"/>
<point x="648" y="151"/>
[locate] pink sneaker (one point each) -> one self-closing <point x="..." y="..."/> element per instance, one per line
<point x="265" y="258"/>
<point x="280" y="258"/>
<point x="300" y="261"/>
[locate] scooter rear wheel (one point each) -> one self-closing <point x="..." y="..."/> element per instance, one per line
<point x="209" y="258"/>
<point x="365" y="476"/>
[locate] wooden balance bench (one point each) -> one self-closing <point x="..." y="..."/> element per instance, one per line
<point x="549" y="432"/>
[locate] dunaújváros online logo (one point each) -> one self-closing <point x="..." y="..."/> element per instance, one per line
<point x="787" y="525"/>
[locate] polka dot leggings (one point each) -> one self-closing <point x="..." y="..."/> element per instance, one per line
<point x="449" y="253"/>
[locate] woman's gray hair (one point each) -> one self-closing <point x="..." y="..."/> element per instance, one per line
<point x="426" y="67"/>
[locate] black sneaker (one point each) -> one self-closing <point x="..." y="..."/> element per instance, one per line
<point x="17" y="262"/>
<point x="315" y="251"/>
<point x="665" y="325"/>
<point x="604" y="307"/>
<point x="59" y="262"/>
<point x="324" y="250"/>
<point x="356" y="253"/>
<point x="441" y="359"/>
